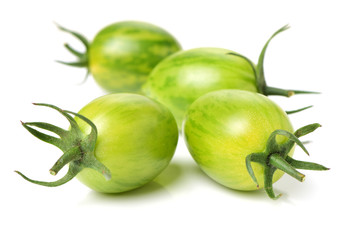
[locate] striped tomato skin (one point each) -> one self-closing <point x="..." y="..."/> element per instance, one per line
<point x="180" y="79"/>
<point x="137" y="138"/>
<point x="123" y="54"/>
<point x="223" y="127"/>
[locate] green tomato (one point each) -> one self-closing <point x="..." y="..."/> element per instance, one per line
<point x="116" y="143"/>
<point x="183" y="77"/>
<point x="122" y="55"/>
<point x="136" y="140"/>
<point x="223" y="127"/>
<point x="180" y="79"/>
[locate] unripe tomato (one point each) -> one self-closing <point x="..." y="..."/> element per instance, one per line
<point x="223" y="127"/>
<point x="116" y="143"/>
<point x="122" y="54"/>
<point x="136" y="140"/>
<point x="180" y="79"/>
<point x="183" y="77"/>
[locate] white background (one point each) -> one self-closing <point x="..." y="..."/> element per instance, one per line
<point x="182" y="203"/>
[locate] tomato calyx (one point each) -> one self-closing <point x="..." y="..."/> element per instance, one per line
<point x="276" y="157"/>
<point x="82" y="57"/>
<point x="259" y="73"/>
<point x="78" y="148"/>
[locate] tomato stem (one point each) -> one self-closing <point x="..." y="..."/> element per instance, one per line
<point x="78" y="147"/>
<point x="278" y="162"/>
<point x="72" y="154"/>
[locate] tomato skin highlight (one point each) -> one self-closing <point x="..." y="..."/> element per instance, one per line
<point x="123" y="54"/>
<point x="221" y="128"/>
<point x="180" y="79"/>
<point x="137" y="138"/>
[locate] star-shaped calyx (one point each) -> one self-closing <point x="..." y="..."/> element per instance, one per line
<point x="78" y="147"/>
<point x="276" y="157"/>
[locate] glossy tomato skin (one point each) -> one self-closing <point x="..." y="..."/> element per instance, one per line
<point x="181" y="78"/>
<point x="136" y="140"/>
<point x="221" y="128"/>
<point x="123" y="54"/>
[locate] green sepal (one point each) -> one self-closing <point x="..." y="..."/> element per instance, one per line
<point x="255" y="157"/>
<point x="261" y="83"/>
<point x="79" y="64"/>
<point x="77" y="35"/>
<point x="78" y="148"/>
<point x="42" y="136"/>
<point x="74" y="51"/>
<point x="268" y="182"/>
<point x="298" y="110"/>
<point x="252" y="65"/>
<point x="259" y="73"/>
<point x="47" y="126"/>
<point x="300" y="133"/>
<point x="71" y="173"/>
<point x="275" y="156"/>
<point x="285" y="92"/>
<point x="82" y="57"/>
<point x="274" y="147"/>
<point x="305" y="165"/>
<point x="306" y="129"/>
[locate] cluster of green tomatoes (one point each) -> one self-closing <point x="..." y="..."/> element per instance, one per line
<point x="216" y="98"/>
